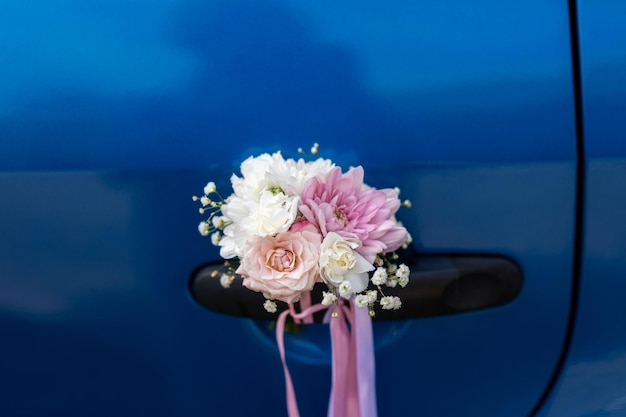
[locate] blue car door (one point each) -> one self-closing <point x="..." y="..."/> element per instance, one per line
<point x="113" y="114"/>
<point x="594" y="375"/>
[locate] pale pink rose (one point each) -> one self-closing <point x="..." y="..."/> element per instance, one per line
<point x="282" y="266"/>
<point x="341" y="203"/>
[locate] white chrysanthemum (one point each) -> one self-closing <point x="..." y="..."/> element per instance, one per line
<point x="271" y="214"/>
<point x="274" y="173"/>
<point x="209" y="188"/>
<point x="339" y="262"/>
<point x="299" y="172"/>
<point x="260" y="174"/>
<point x="361" y="300"/>
<point x="345" y="289"/>
<point x="270" y="306"/>
<point x="281" y="174"/>
<point x="231" y="244"/>
<point x="380" y="276"/>
<point x="253" y="172"/>
<point x="387" y="302"/>
<point x="328" y="298"/>
<point x="203" y="228"/>
<point x="226" y="280"/>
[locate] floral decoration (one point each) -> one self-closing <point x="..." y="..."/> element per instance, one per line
<point x="293" y="223"/>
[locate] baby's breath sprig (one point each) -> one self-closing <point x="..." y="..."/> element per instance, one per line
<point x="226" y="274"/>
<point x="212" y="203"/>
<point x="387" y="274"/>
<point x="315" y="149"/>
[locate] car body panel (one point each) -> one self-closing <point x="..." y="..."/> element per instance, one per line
<point x="113" y="115"/>
<point x="593" y="382"/>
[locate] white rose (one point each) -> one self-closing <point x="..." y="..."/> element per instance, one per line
<point x="340" y="262"/>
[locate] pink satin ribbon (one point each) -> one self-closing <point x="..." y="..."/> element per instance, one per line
<point x="353" y="390"/>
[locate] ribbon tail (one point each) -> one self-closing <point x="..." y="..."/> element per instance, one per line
<point x="305" y="303"/>
<point x="292" y="404"/>
<point x="344" y="399"/>
<point x="365" y="361"/>
<point x="353" y="392"/>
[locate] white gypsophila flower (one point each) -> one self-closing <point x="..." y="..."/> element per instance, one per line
<point x="218" y="222"/>
<point x="209" y="188"/>
<point x="392" y="281"/>
<point x="270" y="306"/>
<point x="397" y="303"/>
<point x="361" y="300"/>
<point x="387" y="302"/>
<point x="345" y="289"/>
<point x="403" y="281"/>
<point x="226" y="280"/>
<point x="203" y="228"/>
<point x="403" y="271"/>
<point x="215" y="238"/>
<point x="372" y="296"/>
<point x="392" y="268"/>
<point x="205" y="200"/>
<point x="328" y="298"/>
<point x="339" y="262"/>
<point x="380" y="276"/>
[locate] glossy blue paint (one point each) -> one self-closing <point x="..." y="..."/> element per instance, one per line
<point x="113" y="114"/>
<point x="594" y="379"/>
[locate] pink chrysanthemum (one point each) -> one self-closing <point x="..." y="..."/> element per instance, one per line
<point x="341" y="203"/>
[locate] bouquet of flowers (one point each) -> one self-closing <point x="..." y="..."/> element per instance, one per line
<point x="290" y="224"/>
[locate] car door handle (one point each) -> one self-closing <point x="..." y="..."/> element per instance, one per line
<point x="438" y="285"/>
